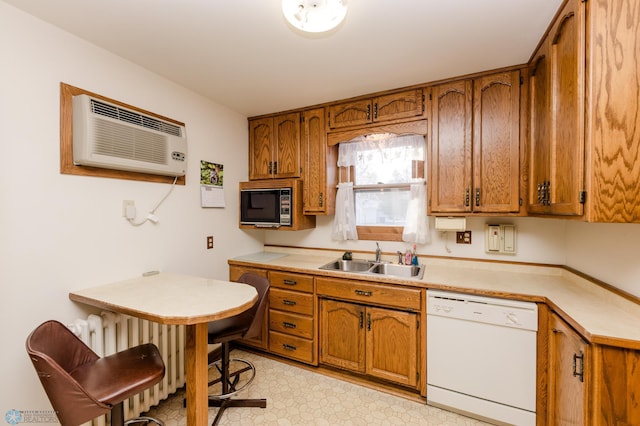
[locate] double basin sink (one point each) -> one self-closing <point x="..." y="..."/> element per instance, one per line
<point x="369" y="267"/>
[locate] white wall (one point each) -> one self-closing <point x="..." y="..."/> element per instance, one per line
<point x="608" y="252"/>
<point x="538" y="240"/>
<point x="61" y="232"/>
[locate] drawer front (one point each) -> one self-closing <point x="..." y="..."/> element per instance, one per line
<point x="291" y="301"/>
<point x="289" y="281"/>
<point x="294" y="324"/>
<point x="377" y="294"/>
<point x="291" y="346"/>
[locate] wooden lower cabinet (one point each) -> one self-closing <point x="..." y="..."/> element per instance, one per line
<point x="378" y="342"/>
<point x="590" y="384"/>
<point x="568" y="374"/>
<point x="292" y="323"/>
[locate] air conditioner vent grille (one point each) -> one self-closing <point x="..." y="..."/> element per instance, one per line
<point x="121" y="114"/>
<point x="122" y="141"/>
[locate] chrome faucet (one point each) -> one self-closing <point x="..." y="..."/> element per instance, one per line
<point x="400" y="257"/>
<point x="378" y="252"/>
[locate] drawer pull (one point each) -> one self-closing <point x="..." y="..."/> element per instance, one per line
<point x="289" y="302"/>
<point x="288" y="324"/>
<point x="290" y="282"/>
<point x="289" y="347"/>
<point x="364" y="293"/>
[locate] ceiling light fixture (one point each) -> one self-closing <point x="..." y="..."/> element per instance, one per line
<point x="314" y="16"/>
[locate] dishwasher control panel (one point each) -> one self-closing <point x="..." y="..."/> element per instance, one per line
<point x="489" y="310"/>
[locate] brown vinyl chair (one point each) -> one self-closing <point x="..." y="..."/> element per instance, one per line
<point x="243" y="326"/>
<point x="82" y="386"/>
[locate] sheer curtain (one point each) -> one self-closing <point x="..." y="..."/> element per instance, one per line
<point x="344" y="225"/>
<point x="344" y="222"/>
<point x="416" y="228"/>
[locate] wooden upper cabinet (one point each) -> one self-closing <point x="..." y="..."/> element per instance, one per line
<point x="557" y="117"/>
<point x="320" y="169"/>
<point x="274" y="147"/>
<point x="613" y="112"/>
<point x="540" y="129"/>
<point x="450" y="156"/>
<point x="395" y="106"/>
<point x="496" y="143"/>
<point x="475" y="145"/>
<point x="260" y="148"/>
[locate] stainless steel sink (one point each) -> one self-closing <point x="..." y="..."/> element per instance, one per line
<point x="349" y="265"/>
<point x="361" y="266"/>
<point x="398" y="270"/>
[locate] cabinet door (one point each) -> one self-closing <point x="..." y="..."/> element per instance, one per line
<point x="450" y="155"/>
<point x="567" y="94"/>
<point x="539" y="127"/>
<point x="392" y="345"/>
<point x="260" y="148"/>
<point x="261" y="340"/>
<point x="342" y="337"/>
<point x="395" y="106"/>
<point x="286" y="136"/>
<point x="347" y="114"/>
<point x="319" y="166"/>
<point x="568" y="375"/>
<point x="496" y="143"/>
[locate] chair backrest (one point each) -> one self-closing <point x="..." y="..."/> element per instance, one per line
<point x="256" y="312"/>
<point x="55" y="352"/>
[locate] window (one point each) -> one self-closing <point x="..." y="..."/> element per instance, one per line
<point x="382" y="168"/>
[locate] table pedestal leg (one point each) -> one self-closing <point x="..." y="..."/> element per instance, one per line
<point x="197" y="375"/>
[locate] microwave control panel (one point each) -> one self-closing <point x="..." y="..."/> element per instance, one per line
<point x="285" y="206"/>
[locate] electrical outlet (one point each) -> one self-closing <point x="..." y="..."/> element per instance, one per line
<point x="463" y="237"/>
<point x="209" y="242"/>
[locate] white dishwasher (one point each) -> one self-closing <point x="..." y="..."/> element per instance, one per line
<point x="481" y="356"/>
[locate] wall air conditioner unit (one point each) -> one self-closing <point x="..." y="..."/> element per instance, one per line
<point x="110" y="136"/>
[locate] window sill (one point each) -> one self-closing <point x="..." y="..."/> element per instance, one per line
<point x="380" y="233"/>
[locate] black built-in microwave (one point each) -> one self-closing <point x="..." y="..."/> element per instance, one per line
<point x="268" y="207"/>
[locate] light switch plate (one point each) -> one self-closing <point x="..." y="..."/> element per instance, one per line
<point x="500" y="239"/>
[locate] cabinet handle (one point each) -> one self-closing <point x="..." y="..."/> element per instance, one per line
<point x="289" y="347"/>
<point x="369" y="112"/>
<point x="289" y="302"/>
<point x="270" y="168"/>
<point x="546" y="193"/>
<point x="288" y="324"/>
<point x="363" y="293"/>
<point x="321" y="199"/>
<point x="361" y="319"/>
<point x="275" y="167"/>
<point x="375" y="111"/>
<point x="290" y="282"/>
<point x="369" y="322"/>
<point x="539" y="193"/>
<point x="578" y="372"/>
<point x="467" y="197"/>
<point x="477" y="197"/>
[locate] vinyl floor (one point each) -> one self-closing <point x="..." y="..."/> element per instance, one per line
<point x="297" y="397"/>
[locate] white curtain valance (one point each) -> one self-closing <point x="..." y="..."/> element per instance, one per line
<point x="348" y="151"/>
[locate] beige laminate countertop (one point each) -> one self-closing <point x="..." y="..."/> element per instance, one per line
<point x="600" y="315"/>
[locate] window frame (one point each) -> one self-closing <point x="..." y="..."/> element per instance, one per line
<point x="382" y="232"/>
